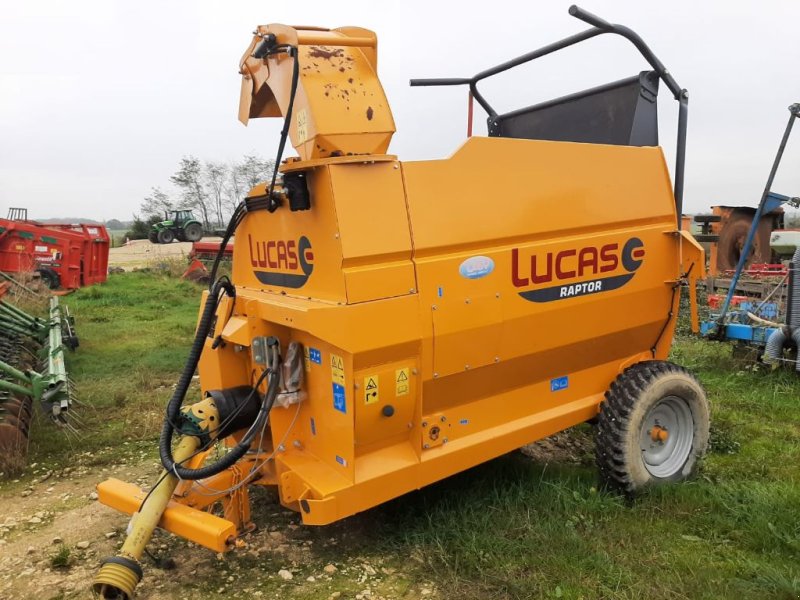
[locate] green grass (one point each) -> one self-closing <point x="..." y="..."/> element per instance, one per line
<point x="60" y="559"/>
<point x="134" y="334"/>
<point x="516" y="529"/>
<point x="512" y="528"/>
<point x="117" y="237"/>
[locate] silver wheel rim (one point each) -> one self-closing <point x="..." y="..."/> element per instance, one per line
<point x="666" y="436"/>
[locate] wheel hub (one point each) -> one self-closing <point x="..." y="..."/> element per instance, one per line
<point x="666" y="436"/>
<point x="659" y="434"/>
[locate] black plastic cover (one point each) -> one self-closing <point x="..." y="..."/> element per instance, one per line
<point x="621" y="113"/>
<point x="237" y="407"/>
<point x="296" y="187"/>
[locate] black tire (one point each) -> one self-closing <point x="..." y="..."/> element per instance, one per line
<point x="72" y="342"/>
<point x="629" y="437"/>
<point x="193" y="232"/>
<point x="731" y="242"/>
<point x="165" y="236"/>
<point x="51" y="279"/>
<point x="153" y="237"/>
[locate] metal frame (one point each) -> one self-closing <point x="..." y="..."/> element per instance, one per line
<point x="599" y="26"/>
<point x="769" y="202"/>
<point x="17" y="214"/>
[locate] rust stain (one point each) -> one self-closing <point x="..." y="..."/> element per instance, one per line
<point x="370" y="112"/>
<point x="326" y="53"/>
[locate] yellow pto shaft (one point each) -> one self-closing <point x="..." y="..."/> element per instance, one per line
<point x="119" y="574"/>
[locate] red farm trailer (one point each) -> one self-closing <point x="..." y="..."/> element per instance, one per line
<point x="65" y="256"/>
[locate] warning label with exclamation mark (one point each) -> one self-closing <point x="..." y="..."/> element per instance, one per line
<point x="401" y="382"/>
<point x="371" y="389"/>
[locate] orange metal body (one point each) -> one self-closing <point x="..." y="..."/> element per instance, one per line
<point x="450" y="310"/>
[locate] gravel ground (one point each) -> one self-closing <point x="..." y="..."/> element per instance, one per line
<point x="139" y="253"/>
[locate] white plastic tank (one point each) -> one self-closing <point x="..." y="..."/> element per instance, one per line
<point x="784" y="241"/>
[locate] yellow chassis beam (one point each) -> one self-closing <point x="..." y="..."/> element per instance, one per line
<point x="195" y="525"/>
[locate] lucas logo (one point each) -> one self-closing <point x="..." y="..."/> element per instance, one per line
<point x="554" y="274"/>
<point x="284" y="263"/>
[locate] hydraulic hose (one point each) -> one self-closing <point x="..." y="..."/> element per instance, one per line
<point x="174" y="405"/>
<point x="206" y="319"/>
<point x="270" y="204"/>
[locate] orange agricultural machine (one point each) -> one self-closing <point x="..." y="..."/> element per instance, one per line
<point x="389" y="323"/>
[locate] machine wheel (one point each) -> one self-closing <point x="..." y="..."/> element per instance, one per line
<point x="165" y="236"/>
<point x="731" y="241"/>
<point x="193" y="232"/>
<point x="652" y="428"/>
<point x="153" y="237"/>
<point x="50" y="278"/>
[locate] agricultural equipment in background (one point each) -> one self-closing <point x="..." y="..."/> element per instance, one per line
<point x="388" y="324"/>
<point x="756" y="322"/>
<point x="203" y="255"/>
<point x="178" y="225"/>
<point x="32" y="370"/>
<point x="208" y="251"/>
<point x="65" y="256"/>
<point x="726" y="230"/>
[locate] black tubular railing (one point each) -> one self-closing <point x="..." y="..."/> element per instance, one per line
<point x="599" y="27"/>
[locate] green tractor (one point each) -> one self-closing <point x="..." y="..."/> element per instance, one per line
<point x="180" y="225"/>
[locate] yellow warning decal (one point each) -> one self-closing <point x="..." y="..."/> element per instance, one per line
<point x="371" y="389"/>
<point x="302" y="125"/>
<point x="401" y="382"/>
<point x="337" y="369"/>
<point x="307" y="359"/>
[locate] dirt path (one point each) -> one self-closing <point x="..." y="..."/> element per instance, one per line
<point x="138" y="253"/>
<point x="59" y="512"/>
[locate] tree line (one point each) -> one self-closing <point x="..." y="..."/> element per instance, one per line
<point x="211" y="189"/>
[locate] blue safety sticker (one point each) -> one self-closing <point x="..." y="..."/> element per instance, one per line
<point x="339" y="402"/>
<point x="315" y="355"/>
<point x="341" y="461"/>
<point x="559" y="383"/>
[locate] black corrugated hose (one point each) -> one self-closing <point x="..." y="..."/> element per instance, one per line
<point x="207" y="318"/>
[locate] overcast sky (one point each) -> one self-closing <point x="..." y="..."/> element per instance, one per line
<point x="99" y="100"/>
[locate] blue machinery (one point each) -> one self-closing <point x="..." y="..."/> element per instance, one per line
<point x="737" y="325"/>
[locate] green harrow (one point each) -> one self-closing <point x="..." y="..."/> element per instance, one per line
<point x="32" y="369"/>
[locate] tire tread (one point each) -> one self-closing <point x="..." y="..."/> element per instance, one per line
<point x="613" y="421"/>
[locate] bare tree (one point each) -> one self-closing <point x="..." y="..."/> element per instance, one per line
<point x="157" y="203"/>
<point x="214" y="189"/>
<point x="216" y="175"/>
<point x="234" y="189"/>
<point x="189" y="179"/>
<point x="254" y="170"/>
<point x="245" y="175"/>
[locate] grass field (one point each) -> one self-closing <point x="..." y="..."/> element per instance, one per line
<point x="513" y="528"/>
